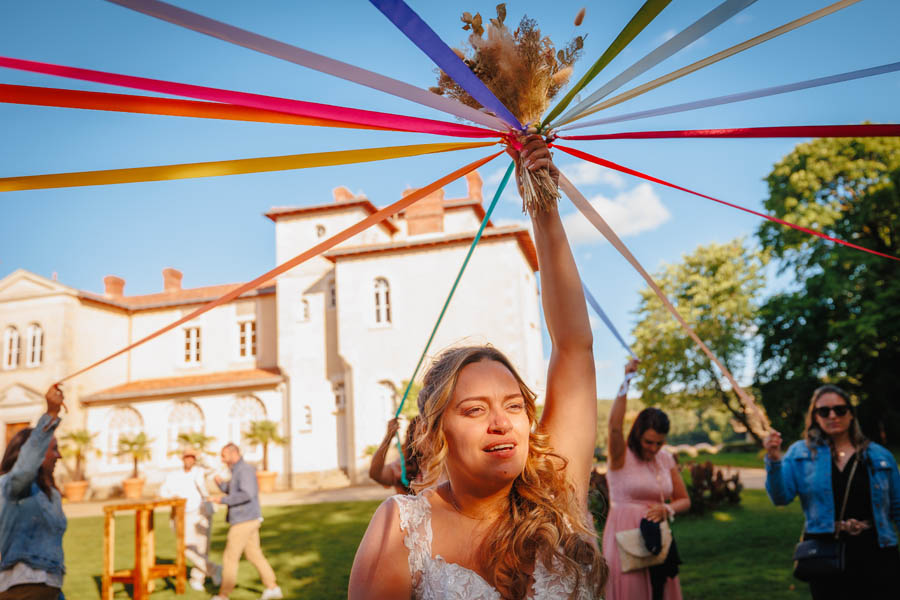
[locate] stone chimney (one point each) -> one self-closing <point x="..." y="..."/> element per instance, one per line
<point x="342" y="194"/>
<point x="114" y="287"/>
<point x="171" y="279"/>
<point x="426" y="215"/>
<point x="474" y="184"/>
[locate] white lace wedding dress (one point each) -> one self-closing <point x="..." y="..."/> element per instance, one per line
<point x="436" y="579"/>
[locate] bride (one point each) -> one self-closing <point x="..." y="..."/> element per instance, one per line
<point x="502" y="504"/>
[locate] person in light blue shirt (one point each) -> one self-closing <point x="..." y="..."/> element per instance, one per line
<point x="831" y="462"/>
<point x="32" y="522"/>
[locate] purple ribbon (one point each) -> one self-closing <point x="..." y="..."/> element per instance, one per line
<point x="423" y="36"/>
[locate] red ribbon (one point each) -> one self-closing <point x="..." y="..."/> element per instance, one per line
<point x="611" y="165"/>
<point x="865" y="130"/>
<point x="294" y="107"/>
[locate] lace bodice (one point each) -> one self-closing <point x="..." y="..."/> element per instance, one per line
<point x="436" y="579"/>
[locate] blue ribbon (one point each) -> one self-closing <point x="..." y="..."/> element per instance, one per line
<point x="423" y="36"/>
<point x="593" y="302"/>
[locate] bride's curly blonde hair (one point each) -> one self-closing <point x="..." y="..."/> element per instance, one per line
<point x="543" y="521"/>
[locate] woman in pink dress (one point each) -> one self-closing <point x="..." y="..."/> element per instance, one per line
<point x="644" y="483"/>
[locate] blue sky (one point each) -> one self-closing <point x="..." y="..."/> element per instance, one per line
<point x="213" y="229"/>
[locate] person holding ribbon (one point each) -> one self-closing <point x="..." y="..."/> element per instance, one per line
<point x="391" y="474"/>
<point x="850" y="491"/>
<point x="646" y="491"/>
<point x="32" y="522"/>
<point x="501" y="508"/>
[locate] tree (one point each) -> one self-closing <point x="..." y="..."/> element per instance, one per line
<point x="715" y="291"/>
<point x="840" y="320"/>
<point x="136" y="446"/>
<point x="77" y="445"/>
<point x="264" y="433"/>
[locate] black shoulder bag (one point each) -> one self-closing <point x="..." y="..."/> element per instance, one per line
<point x="823" y="558"/>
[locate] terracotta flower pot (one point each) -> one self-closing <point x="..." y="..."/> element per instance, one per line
<point x="74" y="491"/>
<point x="133" y="487"/>
<point x="266" y="480"/>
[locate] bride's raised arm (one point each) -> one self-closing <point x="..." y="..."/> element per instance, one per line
<point x="570" y="404"/>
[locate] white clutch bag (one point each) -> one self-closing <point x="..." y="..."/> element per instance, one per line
<point x="633" y="553"/>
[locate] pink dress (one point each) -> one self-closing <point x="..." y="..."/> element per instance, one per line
<point x="632" y="489"/>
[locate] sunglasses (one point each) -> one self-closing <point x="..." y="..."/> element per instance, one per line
<point x="839" y="411"/>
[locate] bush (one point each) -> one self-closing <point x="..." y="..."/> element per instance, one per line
<point x="598" y="499"/>
<point x="709" y="489"/>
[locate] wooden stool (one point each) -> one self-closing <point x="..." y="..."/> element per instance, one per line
<point x="145" y="568"/>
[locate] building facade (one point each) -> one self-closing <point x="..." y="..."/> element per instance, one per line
<point x="323" y="350"/>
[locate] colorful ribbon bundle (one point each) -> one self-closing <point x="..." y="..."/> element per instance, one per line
<point x="494" y="124"/>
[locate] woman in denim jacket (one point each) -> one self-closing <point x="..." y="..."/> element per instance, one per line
<point x="32" y="522"/>
<point x="818" y="468"/>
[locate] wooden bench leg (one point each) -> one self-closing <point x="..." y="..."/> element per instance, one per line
<point x="109" y="544"/>
<point x="141" y="564"/>
<point x="181" y="567"/>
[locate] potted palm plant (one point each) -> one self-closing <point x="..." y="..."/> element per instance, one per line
<point x="264" y="433"/>
<point x="198" y="440"/>
<point x="136" y="446"/>
<point x="76" y="445"/>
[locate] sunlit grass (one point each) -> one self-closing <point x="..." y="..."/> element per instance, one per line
<point x="742" y="553"/>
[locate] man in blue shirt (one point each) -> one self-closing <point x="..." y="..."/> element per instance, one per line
<point x="244" y="518"/>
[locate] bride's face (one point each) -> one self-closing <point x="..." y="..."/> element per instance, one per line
<point x="486" y="425"/>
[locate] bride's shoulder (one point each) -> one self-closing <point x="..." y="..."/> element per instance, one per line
<point x="381" y="559"/>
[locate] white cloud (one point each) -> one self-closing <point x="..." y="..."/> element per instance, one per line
<point x="631" y="212"/>
<point x="667" y="35"/>
<point x="586" y="173"/>
<point x="494" y="177"/>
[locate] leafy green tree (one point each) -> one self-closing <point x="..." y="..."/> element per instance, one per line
<point x="839" y="321"/>
<point x="138" y="447"/>
<point x="263" y="433"/>
<point x="715" y="290"/>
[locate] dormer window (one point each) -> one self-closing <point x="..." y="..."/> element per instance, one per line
<point x="191" y="345"/>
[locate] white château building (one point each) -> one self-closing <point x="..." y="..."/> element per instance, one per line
<point x="323" y="350"/>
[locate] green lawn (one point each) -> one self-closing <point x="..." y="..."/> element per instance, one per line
<point x="749" y="460"/>
<point x="310" y="548"/>
<point x="742" y="553"/>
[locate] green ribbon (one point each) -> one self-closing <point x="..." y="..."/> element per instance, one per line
<point x="484" y="222"/>
<point x="641" y="19"/>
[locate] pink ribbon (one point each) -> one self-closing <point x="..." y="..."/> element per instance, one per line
<point x="284" y="105"/>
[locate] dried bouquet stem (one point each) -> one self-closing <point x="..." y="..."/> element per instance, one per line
<point x="539" y="192"/>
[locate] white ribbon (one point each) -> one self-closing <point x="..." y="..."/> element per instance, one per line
<point x="581" y="203"/>
<point x="694" y="32"/>
<point x="305" y="58"/>
<point x="769" y="91"/>
<point x="705" y="62"/>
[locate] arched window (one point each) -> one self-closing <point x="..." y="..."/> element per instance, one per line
<point x="320" y="231"/>
<point x="304" y="310"/>
<point x="244" y="411"/>
<point x="34" y="354"/>
<point x="123" y="420"/>
<point x="11" y="348"/>
<point x="387" y="399"/>
<point x="382" y="301"/>
<point x="186" y="417"/>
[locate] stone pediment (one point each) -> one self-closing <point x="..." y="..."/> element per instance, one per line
<point x="22" y="284"/>
<point x="20" y="395"/>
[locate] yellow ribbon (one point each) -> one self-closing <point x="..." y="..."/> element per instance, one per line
<point x="650" y="85"/>
<point x="227" y="167"/>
